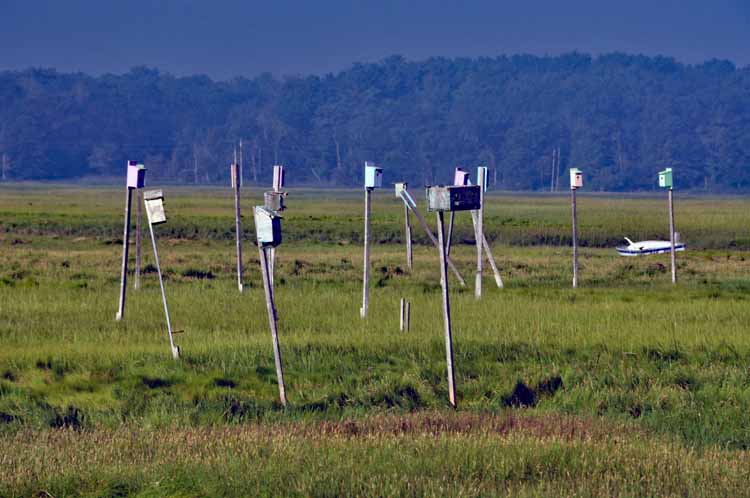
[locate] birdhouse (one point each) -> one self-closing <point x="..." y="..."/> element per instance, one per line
<point x="453" y="198"/>
<point x="278" y="178"/>
<point x="482" y="173"/>
<point x="267" y="227"/>
<point x="154" y="201"/>
<point x="136" y="175"/>
<point x="576" y="178"/>
<point x="400" y="187"/>
<point x="274" y="201"/>
<point x="373" y="176"/>
<point x="665" y="178"/>
<point x="460" y="177"/>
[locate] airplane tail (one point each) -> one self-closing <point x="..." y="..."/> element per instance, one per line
<point x="629" y="241"/>
<point x="677" y="237"/>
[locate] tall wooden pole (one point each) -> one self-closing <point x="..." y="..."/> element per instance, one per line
<point x="366" y="265"/>
<point x="575" y="236"/>
<point x="272" y="250"/>
<point x="236" y="173"/>
<point x="446" y="310"/>
<point x="175" y="349"/>
<point x="125" y="246"/>
<point x="409" y="254"/>
<point x="272" y="321"/>
<point x="479" y="233"/>
<point x="138" y="237"/>
<point x="671" y="237"/>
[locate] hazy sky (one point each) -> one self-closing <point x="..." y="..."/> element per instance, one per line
<point x="244" y="38"/>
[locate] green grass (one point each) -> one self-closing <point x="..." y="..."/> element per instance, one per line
<point x="652" y="379"/>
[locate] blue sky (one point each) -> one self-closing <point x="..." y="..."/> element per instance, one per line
<point x="245" y="38"/>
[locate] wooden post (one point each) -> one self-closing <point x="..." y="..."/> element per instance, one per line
<point x="125" y="246"/>
<point x="446" y="310"/>
<point x="138" y="237"/>
<point x="175" y="349"/>
<point x="278" y="181"/>
<point x="409" y="254"/>
<point x="236" y="173"/>
<point x="366" y="265"/>
<point x="264" y="264"/>
<point x="404" y="315"/>
<point x="449" y="237"/>
<point x="575" y="236"/>
<point x="488" y="253"/>
<point x="479" y="233"/>
<point x="671" y="237"/>
<point x="486" y="245"/>
<point x="413" y="207"/>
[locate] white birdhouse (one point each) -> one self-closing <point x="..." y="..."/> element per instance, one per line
<point x="267" y="227"/>
<point x="400" y="187"/>
<point x="373" y="176"/>
<point x="136" y="175"/>
<point x="460" y="177"/>
<point x="154" y="201"/>
<point x="576" y="178"/>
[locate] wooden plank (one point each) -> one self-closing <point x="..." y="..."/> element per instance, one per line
<point x="175" y="349"/>
<point x="138" y="237"/>
<point x="366" y="264"/>
<point x="479" y="234"/>
<point x="272" y="322"/>
<point x="575" y="236"/>
<point x="672" y="255"/>
<point x="409" y="254"/>
<point x="446" y="310"/>
<point x="237" y="183"/>
<point x="125" y="247"/>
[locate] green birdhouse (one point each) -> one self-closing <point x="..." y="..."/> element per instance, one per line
<point x="665" y="178"/>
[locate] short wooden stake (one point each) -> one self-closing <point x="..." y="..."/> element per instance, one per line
<point x="175" y="349"/>
<point x="235" y="173"/>
<point x="404" y="315"/>
<point x="138" y="242"/>
<point x="446" y="310"/>
<point x="575" y="236"/>
<point x="409" y="201"/>
<point x="366" y="266"/>
<point x="125" y="247"/>
<point x="272" y="321"/>
<point x="672" y="255"/>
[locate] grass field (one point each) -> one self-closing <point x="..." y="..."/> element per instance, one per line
<point x="627" y="386"/>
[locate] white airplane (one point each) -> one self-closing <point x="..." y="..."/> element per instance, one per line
<point x="646" y="247"/>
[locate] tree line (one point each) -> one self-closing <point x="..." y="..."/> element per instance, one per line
<point x="619" y="117"/>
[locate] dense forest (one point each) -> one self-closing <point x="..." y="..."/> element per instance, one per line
<point x="620" y="118"/>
